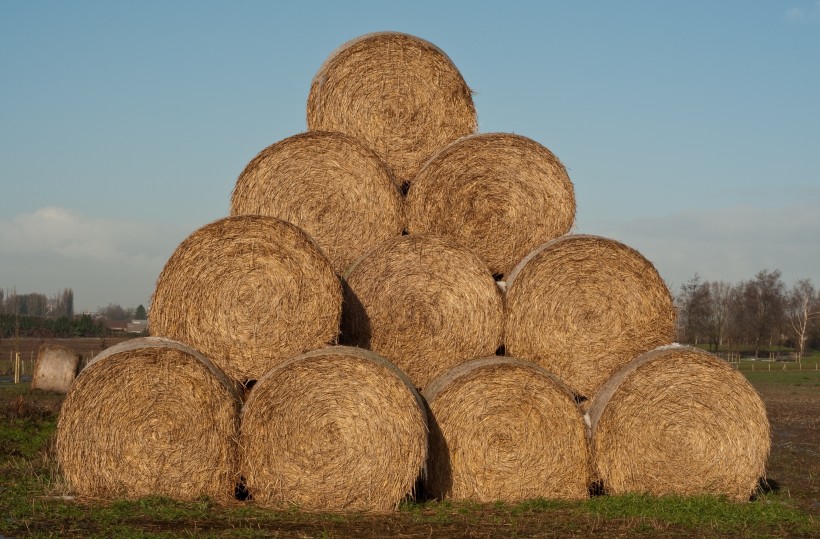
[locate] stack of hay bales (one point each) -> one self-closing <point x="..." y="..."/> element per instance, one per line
<point x="492" y="353"/>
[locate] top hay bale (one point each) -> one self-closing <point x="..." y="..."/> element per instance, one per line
<point x="678" y="420"/>
<point x="328" y="184"/>
<point x="248" y="292"/>
<point x="55" y="369"/>
<point x="150" y="416"/>
<point x="338" y="428"/>
<point x="582" y="306"/>
<point x="423" y="302"/>
<point x="398" y="93"/>
<point x="500" y="194"/>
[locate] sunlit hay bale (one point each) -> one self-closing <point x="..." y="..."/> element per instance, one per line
<point x="328" y="184"/>
<point x="678" y="420"/>
<point x="424" y="302"/>
<point x="150" y="416"/>
<point x="582" y="306"/>
<point x="248" y="291"/>
<point x="500" y="194"/>
<point x="398" y="93"/>
<point x="55" y="369"/>
<point x="504" y="429"/>
<point x="334" y="429"/>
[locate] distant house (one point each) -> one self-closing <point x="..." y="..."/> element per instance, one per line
<point x="137" y="326"/>
<point x="116" y="326"/>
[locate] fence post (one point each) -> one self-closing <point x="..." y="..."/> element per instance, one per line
<point x="17" y="368"/>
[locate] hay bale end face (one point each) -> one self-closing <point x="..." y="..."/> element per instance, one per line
<point x="399" y="94"/>
<point x="501" y="195"/>
<point x="504" y="429"/>
<point x="424" y="302"/>
<point x="55" y="369"/>
<point x="248" y="291"/>
<point x="150" y="416"/>
<point x="334" y="429"/>
<point x="678" y="420"/>
<point x="328" y="184"/>
<point x="582" y="306"/>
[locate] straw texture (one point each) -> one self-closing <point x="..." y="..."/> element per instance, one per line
<point x="55" y="369"/>
<point x="499" y="194"/>
<point x="247" y="291"/>
<point x="334" y="429"/>
<point x="504" y="429"/>
<point x="150" y="416"/>
<point x="424" y="302"/>
<point x="398" y="93"/>
<point x="328" y="184"/>
<point x="678" y="420"/>
<point x="582" y="306"/>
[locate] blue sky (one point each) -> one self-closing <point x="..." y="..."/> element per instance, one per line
<point x="690" y="129"/>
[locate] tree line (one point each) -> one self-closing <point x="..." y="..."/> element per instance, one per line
<point x="749" y="316"/>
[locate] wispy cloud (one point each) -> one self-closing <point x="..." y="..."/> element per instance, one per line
<point x="803" y="14"/>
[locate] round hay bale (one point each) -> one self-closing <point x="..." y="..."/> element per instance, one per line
<point x="499" y="194"/>
<point x="582" y="306"/>
<point x="247" y="291"/>
<point x="55" y="369"/>
<point x="334" y="429"/>
<point x="150" y="416"/>
<point x="398" y="93"/>
<point x="328" y="184"/>
<point x="678" y="420"/>
<point x="424" y="302"/>
<point x="504" y="429"/>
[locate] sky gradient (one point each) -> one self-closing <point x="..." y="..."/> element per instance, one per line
<point x="690" y="130"/>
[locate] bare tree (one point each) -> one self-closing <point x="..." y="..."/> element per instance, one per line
<point x="802" y="308"/>
<point x="693" y="308"/>
<point x="763" y="305"/>
<point x="720" y="296"/>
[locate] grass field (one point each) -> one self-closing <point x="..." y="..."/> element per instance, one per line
<point x="33" y="501"/>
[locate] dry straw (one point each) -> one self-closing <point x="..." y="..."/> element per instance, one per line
<point x="334" y="429"/>
<point x="55" y="369"/>
<point x="678" y="420"/>
<point x="150" y="416"/>
<point x="424" y="302"/>
<point x="328" y="184"/>
<point x="582" y="306"/>
<point x="504" y="429"/>
<point x="398" y="93"/>
<point x="248" y="291"/>
<point x="500" y="194"/>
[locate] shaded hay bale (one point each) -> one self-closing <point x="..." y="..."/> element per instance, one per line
<point x="504" y="429"/>
<point x="247" y="291"/>
<point x="55" y="369"/>
<point x="328" y="184"/>
<point x="398" y="93"/>
<point x="582" y="306"/>
<point x="334" y="429"/>
<point x="500" y="194"/>
<point x="424" y="302"/>
<point x="150" y="416"/>
<point x="678" y="420"/>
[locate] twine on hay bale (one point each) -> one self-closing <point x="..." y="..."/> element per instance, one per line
<point x="150" y="416"/>
<point x="398" y="93"/>
<point x="424" y="302"/>
<point x="335" y="429"/>
<point x="678" y="420"/>
<point x="247" y="291"/>
<point x="504" y="429"/>
<point x="582" y="306"/>
<point x="500" y="194"/>
<point x="55" y="369"/>
<point x="328" y="184"/>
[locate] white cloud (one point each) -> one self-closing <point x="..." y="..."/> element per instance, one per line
<point x="103" y="260"/>
<point x="731" y="244"/>
<point x="805" y="14"/>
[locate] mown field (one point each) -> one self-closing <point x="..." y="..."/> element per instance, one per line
<point x="35" y="503"/>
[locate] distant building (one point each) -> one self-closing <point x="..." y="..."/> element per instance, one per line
<point x="137" y="326"/>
